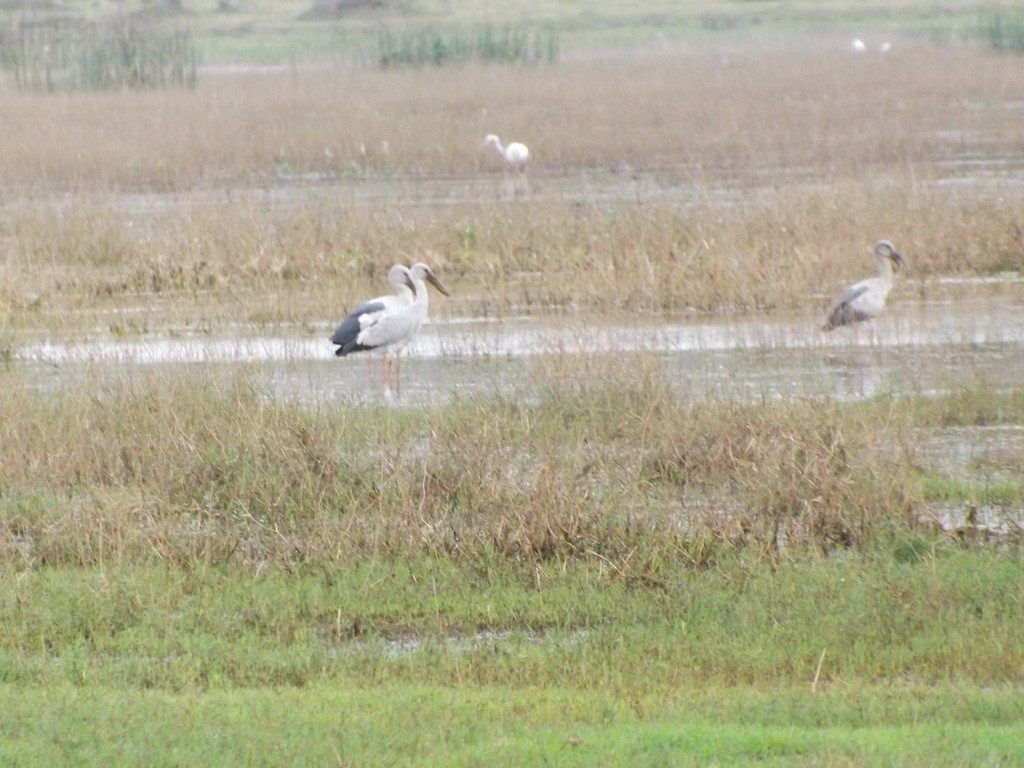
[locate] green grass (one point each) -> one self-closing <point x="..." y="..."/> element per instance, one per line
<point x="422" y="725"/>
<point x="949" y="615"/>
<point x="938" y="487"/>
<point x="865" y="660"/>
<point x="970" y="403"/>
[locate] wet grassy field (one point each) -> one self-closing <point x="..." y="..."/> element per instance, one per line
<point x="630" y="507"/>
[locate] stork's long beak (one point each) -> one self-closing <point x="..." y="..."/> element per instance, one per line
<point x="434" y="281"/>
<point x="897" y="259"/>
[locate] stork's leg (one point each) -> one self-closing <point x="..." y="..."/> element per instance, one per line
<point x="398" y="373"/>
<point x="384" y="372"/>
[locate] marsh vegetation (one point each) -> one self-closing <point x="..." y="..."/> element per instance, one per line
<point x="547" y="550"/>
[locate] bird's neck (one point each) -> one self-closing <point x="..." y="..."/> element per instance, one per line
<point x="884" y="269"/>
<point x="422" y="297"/>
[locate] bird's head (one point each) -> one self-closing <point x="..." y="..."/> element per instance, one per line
<point x="886" y="250"/>
<point x="490" y="140"/>
<point x="422" y="272"/>
<point x="398" y="276"/>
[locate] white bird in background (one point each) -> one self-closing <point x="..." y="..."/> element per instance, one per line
<point x="388" y="323"/>
<point x="857" y="45"/>
<point x="865" y="300"/>
<point x="885" y="47"/>
<point x="515" y="154"/>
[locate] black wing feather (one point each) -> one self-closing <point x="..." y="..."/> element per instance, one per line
<point x="843" y="312"/>
<point x="347" y="334"/>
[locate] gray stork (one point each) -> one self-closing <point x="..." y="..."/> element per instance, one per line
<point x="388" y="323"/>
<point x="865" y="300"/>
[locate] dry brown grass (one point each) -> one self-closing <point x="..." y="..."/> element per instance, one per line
<point x="867" y="137"/>
<point x="230" y="263"/>
<point x="609" y="462"/>
<point x="749" y="108"/>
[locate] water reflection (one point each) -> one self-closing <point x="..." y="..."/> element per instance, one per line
<point x="917" y="347"/>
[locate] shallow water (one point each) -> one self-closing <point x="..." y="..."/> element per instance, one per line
<point x="915" y="347"/>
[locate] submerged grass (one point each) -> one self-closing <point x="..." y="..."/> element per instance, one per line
<point x="943" y="488"/>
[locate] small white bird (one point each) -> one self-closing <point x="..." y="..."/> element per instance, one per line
<point x="515" y="154"/>
<point x="885" y="47"/>
<point x="857" y="45"/>
<point x="388" y="323"/>
<point x="865" y="300"/>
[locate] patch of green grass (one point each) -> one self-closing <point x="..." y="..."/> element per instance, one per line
<point x="426" y="725"/>
<point x="861" y="660"/>
<point x="939" y="487"/>
<point x="971" y="403"/>
<point x="946" y="616"/>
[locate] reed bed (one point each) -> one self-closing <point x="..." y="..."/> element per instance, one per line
<point x="129" y="52"/>
<point x="407" y="47"/>
<point x="1003" y="30"/>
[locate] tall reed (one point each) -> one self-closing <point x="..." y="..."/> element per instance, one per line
<point x="489" y="44"/>
<point x="1003" y="30"/>
<point x="130" y="52"/>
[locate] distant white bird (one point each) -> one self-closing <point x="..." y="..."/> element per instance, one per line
<point x="515" y="154"/>
<point x="865" y="300"/>
<point x="388" y="323"/>
<point x="885" y="47"/>
<point x="857" y="45"/>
